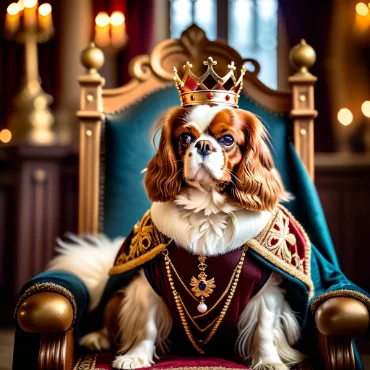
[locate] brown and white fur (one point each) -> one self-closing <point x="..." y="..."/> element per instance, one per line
<point x="210" y="198"/>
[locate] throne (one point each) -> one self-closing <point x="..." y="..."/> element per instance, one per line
<point x="52" y="306"/>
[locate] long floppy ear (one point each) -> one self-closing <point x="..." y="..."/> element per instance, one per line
<point x="260" y="186"/>
<point x="163" y="179"/>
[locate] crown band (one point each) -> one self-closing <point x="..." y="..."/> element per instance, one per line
<point x="210" y="88"/>
<point x="213" y="97"/>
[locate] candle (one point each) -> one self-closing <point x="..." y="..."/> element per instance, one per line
<point x="118" y="29"/>
<point x="45" y="18"/>
<point x="29" y="13"/>
<point x="102" y="29"/>
<point x="12" y="18"/>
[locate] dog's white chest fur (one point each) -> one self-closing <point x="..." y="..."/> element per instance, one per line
<point x="204" y="223"/>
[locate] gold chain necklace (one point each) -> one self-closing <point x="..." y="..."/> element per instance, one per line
<point x="183" y="311"/>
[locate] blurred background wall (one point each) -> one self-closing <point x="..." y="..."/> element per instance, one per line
<point x="39" y="182"/>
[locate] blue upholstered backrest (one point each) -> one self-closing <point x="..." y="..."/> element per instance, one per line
<point x="128" y="150"/>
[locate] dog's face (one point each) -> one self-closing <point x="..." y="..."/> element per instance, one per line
<point x="214" y="147"/>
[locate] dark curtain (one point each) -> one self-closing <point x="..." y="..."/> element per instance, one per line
<point x="311" y="20"/>
<point x="11" y="64"/>
<point x="139" y="25"/>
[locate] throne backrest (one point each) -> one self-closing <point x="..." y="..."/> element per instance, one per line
<point x="115" y="123"/>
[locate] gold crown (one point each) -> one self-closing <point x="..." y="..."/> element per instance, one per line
<point x="210" y="88"/>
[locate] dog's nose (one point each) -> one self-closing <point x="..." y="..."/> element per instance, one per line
<point x="204" y="147"/>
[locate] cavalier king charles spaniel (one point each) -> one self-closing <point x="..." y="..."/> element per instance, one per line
<point x="213" y="185"/>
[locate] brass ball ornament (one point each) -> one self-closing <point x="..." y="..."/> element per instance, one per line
<point x="302" y="56"/>
<point x="92" y="58"/>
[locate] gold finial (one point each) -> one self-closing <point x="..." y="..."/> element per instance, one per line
<point x="302" y="56"/>
<point x="92" y="58"/>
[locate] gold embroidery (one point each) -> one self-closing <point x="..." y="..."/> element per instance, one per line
<point x="148" y="256"/>
<point x="86" y="361"/>
<point x="291" y="265"/>
<point x="290" y="269"/>
<point x="146" y="243"/>
<point x="298" y="263"/>
<point x="279" y="238"/>
<point x="306" y="239"/>
<point x="48" y="287"/>
<point x="340" y="293"/>
<point x="141" y="239"/>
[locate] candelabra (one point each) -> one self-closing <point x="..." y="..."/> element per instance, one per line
<point x="31" y="120"/>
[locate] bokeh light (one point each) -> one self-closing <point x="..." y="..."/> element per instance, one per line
<point x="5" y="136"/>
<point x="362" y="9"/>
<point x="30" y="3"/>
<point x="102" y="19"/>
<point x="117" y="18"/>
<point x="13" y="9"/>
<point x="45" y="9"/>
<point x="365" y="108"/>
<point x="345" y="116"/>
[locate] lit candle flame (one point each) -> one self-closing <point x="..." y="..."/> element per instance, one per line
<point x="45" y="9"/>
<point x="30" y="3"/>
<point x="13" y="9"/>
<point x="117" y="18"/>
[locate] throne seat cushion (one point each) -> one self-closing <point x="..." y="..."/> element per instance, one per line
<point x="103" y="361"/>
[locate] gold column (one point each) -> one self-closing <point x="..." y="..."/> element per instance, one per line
<point x="90" y="116"/>
<point x="303" y="112"/>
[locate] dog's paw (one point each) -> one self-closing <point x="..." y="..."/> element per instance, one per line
<point x="95" y="341"/>
<point x="271" y="366"/>
<point x="132" y="361"/>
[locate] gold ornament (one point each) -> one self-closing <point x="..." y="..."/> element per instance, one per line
<point x="210" y="88"/>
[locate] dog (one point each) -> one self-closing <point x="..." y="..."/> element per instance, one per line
<point x="214" y="186"/>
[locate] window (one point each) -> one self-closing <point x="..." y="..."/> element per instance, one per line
<point x="252" y="28"/>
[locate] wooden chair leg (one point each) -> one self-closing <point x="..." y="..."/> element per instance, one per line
<point x="56" y="351"/>
<point x="336" y="352"/>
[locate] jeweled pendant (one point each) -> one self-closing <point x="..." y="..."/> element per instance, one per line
<point x="202" y="307"/>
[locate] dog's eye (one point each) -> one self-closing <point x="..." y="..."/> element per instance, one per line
<point x="185" y="139"/>
<point x="226" y="140"/>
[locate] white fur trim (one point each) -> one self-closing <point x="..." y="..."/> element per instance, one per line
<point x="205" y="223"/>
<point x="89" y="258"/>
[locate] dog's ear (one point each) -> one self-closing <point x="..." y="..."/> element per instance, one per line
<point x="260" y="186"/>
<point x="163" y="179"/>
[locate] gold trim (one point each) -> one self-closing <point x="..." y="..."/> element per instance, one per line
<point x="201" y="368"/>
<point x="48" y="287"/>
<point x="340" y="293"/>
<point x="148" y="256"/>
<point x="256" y="245"/>
<point x="86" y="361"/>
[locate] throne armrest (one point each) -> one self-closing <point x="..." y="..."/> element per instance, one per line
<point x="45" y="312"/>
<point x="49" y="307"/>
<point x="342" y="316"/>
<point x="338" y="320"/>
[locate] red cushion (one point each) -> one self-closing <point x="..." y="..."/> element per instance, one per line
<point x="103" y="360"/>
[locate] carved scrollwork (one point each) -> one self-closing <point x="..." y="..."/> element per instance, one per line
<point x="256" y="65"/>
<point x="139" y="68"/>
